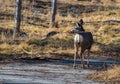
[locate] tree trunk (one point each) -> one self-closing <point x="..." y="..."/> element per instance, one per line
<point x="53" y="13"/>
<point x="17" y="17"/>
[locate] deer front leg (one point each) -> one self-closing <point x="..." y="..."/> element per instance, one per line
<point x="82" y="58"/>
<point x="75" y="55"/>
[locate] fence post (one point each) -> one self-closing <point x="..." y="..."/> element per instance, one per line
<point x="53" y="13"/>
<point x="17" y="17"/>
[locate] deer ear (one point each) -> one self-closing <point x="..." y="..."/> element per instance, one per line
<point x="81" y="21"/>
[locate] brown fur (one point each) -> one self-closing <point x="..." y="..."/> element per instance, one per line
<point x="85" y="45"/>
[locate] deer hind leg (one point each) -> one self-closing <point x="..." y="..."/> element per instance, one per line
<point x="88" y="54"/>
<point x="75" y="56"/>
<point x="82" y="58"/>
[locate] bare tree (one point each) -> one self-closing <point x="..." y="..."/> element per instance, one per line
<point x="17" y="17"/>
<point x="53" y="13"/>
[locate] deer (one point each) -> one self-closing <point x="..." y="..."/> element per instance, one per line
<point x="83" y="40"/>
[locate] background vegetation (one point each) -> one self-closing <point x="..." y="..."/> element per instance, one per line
<point x="101" y="17"/>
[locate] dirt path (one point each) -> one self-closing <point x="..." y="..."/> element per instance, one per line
<point x="47" y="72"/>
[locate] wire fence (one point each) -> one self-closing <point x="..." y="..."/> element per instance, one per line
<point x="35" y="13"/>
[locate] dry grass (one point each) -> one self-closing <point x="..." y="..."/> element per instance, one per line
<point x="111" y="76"/>
<point x="15" y="48"/>
<point x="36" y="30"/>
<point x="96" y="48"/>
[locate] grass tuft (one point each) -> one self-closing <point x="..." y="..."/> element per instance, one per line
<point x="111" y="76"/>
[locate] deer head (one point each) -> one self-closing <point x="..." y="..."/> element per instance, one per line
<point x="79" y="27"/>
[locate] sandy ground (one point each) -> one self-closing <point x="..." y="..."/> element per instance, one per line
<point x="45" y="72"/>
